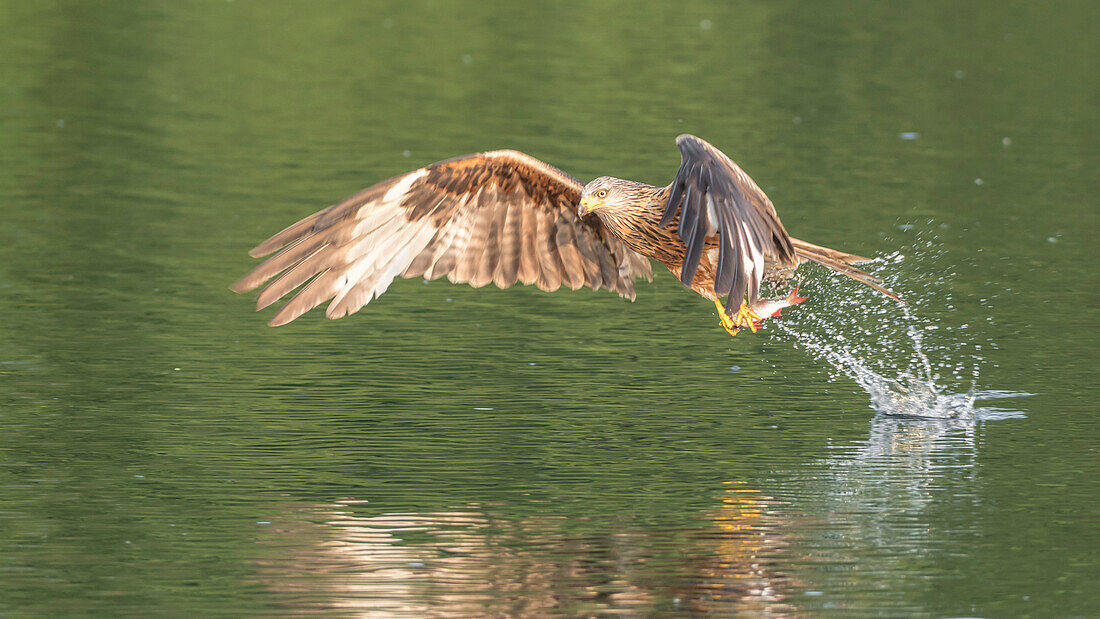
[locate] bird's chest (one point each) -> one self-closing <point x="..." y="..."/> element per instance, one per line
<point x="664" y="245"/>
<point x="703" y="282"/>
<point x="643" y="235"/>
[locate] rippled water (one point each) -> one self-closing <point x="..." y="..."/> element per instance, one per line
<point x="459" y="452"/>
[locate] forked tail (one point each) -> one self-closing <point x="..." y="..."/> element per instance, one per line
<point x="841" y="263"/>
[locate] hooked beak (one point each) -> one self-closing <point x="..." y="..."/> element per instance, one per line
<point x="586" y="206"/>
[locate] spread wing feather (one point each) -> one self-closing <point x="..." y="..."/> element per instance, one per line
<point x="714" y="196"/>
<point x="497" y="217"/>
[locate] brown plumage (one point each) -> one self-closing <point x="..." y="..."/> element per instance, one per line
<point x="503" y="216"/>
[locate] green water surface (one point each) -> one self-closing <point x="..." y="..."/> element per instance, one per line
<point x="464" y="452"/>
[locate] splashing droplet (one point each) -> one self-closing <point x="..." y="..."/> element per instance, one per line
<point x="910" y="364"/>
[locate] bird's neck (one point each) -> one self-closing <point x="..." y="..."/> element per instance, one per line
<point x="637" y="222"/>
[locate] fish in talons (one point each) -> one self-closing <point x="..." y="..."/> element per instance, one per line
<point x="752" y="316"/>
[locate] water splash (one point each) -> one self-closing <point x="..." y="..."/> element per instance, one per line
<point x="914" y="360"/>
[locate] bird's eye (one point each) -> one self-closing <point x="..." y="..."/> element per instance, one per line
<point x="601" y="193"/>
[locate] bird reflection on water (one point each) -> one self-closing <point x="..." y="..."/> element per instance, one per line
<point x="744" y="569"/>
<point x="747" y="553"/>
<point x="472" y="562"/>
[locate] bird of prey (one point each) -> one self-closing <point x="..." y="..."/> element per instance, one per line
<point x="504" y="216"/>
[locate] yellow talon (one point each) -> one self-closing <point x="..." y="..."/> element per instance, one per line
<point x="744" y="316"/>
<point x="747" y="317"/>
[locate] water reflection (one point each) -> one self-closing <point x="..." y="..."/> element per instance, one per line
<point x="477" y="562"/>
<point x="879" y="514"/>
<point x="905" y="458"/>
<point x="745" y="571"/>
<point x="863" y="521"/>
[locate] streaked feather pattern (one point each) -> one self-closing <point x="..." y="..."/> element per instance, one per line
<point x="496" y="217"/>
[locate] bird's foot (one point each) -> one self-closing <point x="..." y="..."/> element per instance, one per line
<point x="744" y="317"/>
<point x="726" y="323"/>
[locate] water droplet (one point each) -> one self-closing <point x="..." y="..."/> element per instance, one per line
<point x="901" y="372"/>
<point x="705" y="24"/>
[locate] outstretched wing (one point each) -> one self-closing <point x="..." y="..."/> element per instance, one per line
<point x="498" y="217"/>
<point x="714" y="196"/>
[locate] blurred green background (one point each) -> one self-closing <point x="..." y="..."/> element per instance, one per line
<point x="511" y="452"/>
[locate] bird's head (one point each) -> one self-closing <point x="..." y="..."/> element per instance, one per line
<point x="597" y="194"/>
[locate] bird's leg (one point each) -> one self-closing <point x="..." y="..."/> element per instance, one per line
<point x="744" y="317"/>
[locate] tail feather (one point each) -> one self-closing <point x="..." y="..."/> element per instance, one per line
<point x="841" y="263"/>
<point x="804" y="249"/>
